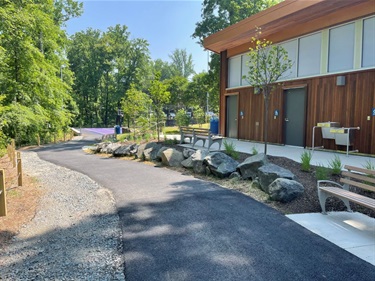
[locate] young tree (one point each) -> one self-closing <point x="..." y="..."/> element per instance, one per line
<point x="267" y="63"/>
<point x="135" y="105"/>
<point x="160" y="97"/>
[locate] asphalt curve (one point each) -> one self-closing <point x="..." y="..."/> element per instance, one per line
<point x="176" y="228"/>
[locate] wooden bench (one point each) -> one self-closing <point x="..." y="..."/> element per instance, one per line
<point x="356" y="177"/>
<point x="197" y="134"/>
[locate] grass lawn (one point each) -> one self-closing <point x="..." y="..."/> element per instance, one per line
<point x="175" y="130"/>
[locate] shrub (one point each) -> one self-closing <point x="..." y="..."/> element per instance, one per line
<point x="336" y="165"/>
<point x="170" y="141"/>
<point x="322" y="172"/>
<point x="182" y="119"/>
<point x="254" y="150"/>
<point x="230" y="149"/>
<point x="306" y="161"/>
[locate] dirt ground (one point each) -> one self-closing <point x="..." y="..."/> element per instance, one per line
<point x="22" y="202"/>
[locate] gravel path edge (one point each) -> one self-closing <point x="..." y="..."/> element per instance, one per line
<point x="75" y="234"/>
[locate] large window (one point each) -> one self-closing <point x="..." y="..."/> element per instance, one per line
<point x="234" y="71"/>
<point x="309" y="54"/>
<point x="245" y="69"/>
<point x="291" y="48"/>
<point x="341" y="48"/>
<point x="368" y="48"/>
<point x="333" y="50"/>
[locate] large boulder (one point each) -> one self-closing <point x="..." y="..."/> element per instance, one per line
<point x="150" y="154"/>
<point x="220" y="164"/>
<point x="110" y="148"/>
<point x="172" y="157"/>
<point x="146" y="146"/>
<point x="285" y="190"/>
<point x="187" y="152"/>
<point x="160" y="153"/>
<point x="198" y="161"/>
<point x="187" y="163"/>
<point x="249" y="168"/>
<point x="101" y="146"/>
<point x="269" y="172"/>
<point x="125" y="150"/>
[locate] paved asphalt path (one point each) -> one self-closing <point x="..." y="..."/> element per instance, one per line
<point x="177" y="228"/>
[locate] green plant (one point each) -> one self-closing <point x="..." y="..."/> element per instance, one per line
<point x="170" y="141"/>
<point x="230" y="149"/>
<point x="336" y="165"/>
<point x="254" y="150"/>
<point x="369" y="165"/>
<point x="306" y="161"/>
<point x="182" y="119"/>
<point x="322" y="172"/>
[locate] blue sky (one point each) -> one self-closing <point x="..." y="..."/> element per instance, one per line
<point x="166" y="25"/>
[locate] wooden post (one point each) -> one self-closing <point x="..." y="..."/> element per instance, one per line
<point x="38" y="139"/>
<point x="3" y="195"/>
<point x="19" y="168"/>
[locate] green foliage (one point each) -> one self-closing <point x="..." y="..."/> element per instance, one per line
<point x="135" y="106"/>
<point x="306" y="161"/>
<point x="336" y="165"/>
<point x="177" y="86"/>
<point x="33" y="80"/>
<point x="182" y="63"/>
<point x="217" y="15"/>
<point x="106" y="65"/>
<point x="369" y="165"/>
<point x="182" y="119"/>
<point x="199" y="115"/>
<point x="322" y="173"/>
<point x="160" y="97"/>
<point x="230" y="149"/>
<point x="254" y="151"/>
<point x="171" y="141"/>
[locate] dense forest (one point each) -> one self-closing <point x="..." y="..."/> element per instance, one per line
<point x="49" y="81"/>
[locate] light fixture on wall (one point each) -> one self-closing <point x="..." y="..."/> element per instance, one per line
<point x="340" y="81"/>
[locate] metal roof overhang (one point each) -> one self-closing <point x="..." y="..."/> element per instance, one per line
<point x="289" y="19"/>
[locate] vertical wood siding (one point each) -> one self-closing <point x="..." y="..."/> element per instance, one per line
<point x="350" y="105"/>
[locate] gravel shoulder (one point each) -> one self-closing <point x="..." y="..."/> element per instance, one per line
<point x="75" y="234"/>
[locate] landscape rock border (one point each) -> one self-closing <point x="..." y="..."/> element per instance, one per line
<point x="255" y="168"/>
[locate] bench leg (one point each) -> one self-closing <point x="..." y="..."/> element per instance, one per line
<point x="322" y="200"/>
<point x="347" y="204"/>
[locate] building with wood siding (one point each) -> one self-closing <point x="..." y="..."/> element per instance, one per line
<point x="332" y="46"/>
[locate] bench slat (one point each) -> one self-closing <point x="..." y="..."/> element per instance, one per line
<point x="354" y="197"/>
<point x="357" y="184"/>
<point x="358" y="176"/>
<point x="361" y="170"/>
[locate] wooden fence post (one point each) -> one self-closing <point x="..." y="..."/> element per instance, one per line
<point x="3" y="196"/>
<point x="19" y="168"/>
<point x="38" y="139"/>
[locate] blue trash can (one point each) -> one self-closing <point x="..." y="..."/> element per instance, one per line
<point x="214" y="125"/>
<point x="117" y="129"/>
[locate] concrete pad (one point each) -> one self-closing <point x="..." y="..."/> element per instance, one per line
<point x="354" y="232"/>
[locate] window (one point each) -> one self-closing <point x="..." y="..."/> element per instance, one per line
<point x="309" y="54"/>
<point x="245" y="69"/>
<point x="341" y="48"/>
<point x="368" y="49"/>
<point x="234" y="69"/>
<point x="291" y="48"/>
